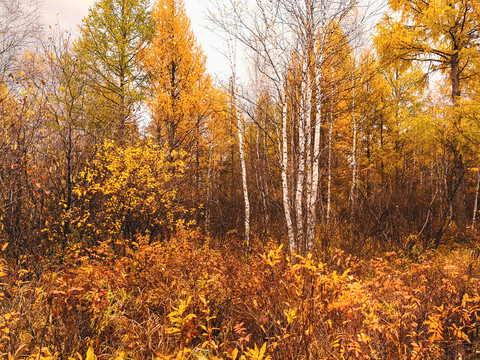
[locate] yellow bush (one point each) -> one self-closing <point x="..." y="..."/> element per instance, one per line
<point x="130" y="191"/>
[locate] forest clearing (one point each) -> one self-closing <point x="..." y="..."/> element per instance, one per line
<point x="319" y="202"/>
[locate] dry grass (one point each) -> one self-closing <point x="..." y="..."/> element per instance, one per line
<point x="184" y="300"/>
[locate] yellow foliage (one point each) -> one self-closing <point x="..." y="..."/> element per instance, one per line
<point x="181" y="93"/>
<point x="130" y="191"/>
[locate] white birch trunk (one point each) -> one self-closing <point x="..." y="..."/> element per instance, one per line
<point x="354" y="144"/>
<point x="301" y="158"/>
<point x="307" y="113"/>
<point x="309" y="164"/>
<point x="475" y="205"/>
<point x="284" y="167"/>
<point x="315" y="171"/>
<point x="244" y="181"/>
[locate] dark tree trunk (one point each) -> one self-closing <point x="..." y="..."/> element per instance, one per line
<point x="459" y="207"/>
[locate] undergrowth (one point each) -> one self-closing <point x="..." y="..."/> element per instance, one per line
<point x="186" y="300"/>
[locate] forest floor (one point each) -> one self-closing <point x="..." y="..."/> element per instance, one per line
<point x="186" y="299"/>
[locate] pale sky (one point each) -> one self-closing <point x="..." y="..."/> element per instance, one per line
<point x="69" y="14"/>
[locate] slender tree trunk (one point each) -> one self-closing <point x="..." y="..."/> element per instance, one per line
<point x="209" y="184"/>
<point x="330" y="131"/>
<point x="69" y="144"/>
<point x="354" y="143"/>
<point x="240" y="125"/>
<point x="309" y="162"/>
<point x="318" y="51"/>
<point x="284" y="167"/>
<point x="475" y="205"/>
<point x="122" y="111"/>
<point x="315" y="171"/>
<point x="309" y="79"/>
<point x="302" y="141"/>
<point x="266" y="172"/>
<point x="459" y="206"/>
<point x="261" y="183"/>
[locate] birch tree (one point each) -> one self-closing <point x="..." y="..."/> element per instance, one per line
<point x="241" y="129"/>
<point x="19" y="28"/>
<point x="288" y="40"/>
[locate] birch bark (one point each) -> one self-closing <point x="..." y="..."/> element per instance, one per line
<point x="475" y="205"/>
<point x="354" y="143"/>
<point x="284" y="167"/>
<point x="240" y="125"/>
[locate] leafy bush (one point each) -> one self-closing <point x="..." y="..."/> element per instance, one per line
<point x="128" y="191"/>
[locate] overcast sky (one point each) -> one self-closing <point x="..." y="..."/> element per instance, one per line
<point x="69" y="13"/>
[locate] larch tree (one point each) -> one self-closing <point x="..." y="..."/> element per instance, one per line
<point x="111" y="38"/>
<point x="445" y="35"/>
<point x="187" y="113"/>
<point x="179" y="85"/>
<point x="392" y="155"/>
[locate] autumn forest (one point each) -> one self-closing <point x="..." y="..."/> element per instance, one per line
<point x="319" y="202"/>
